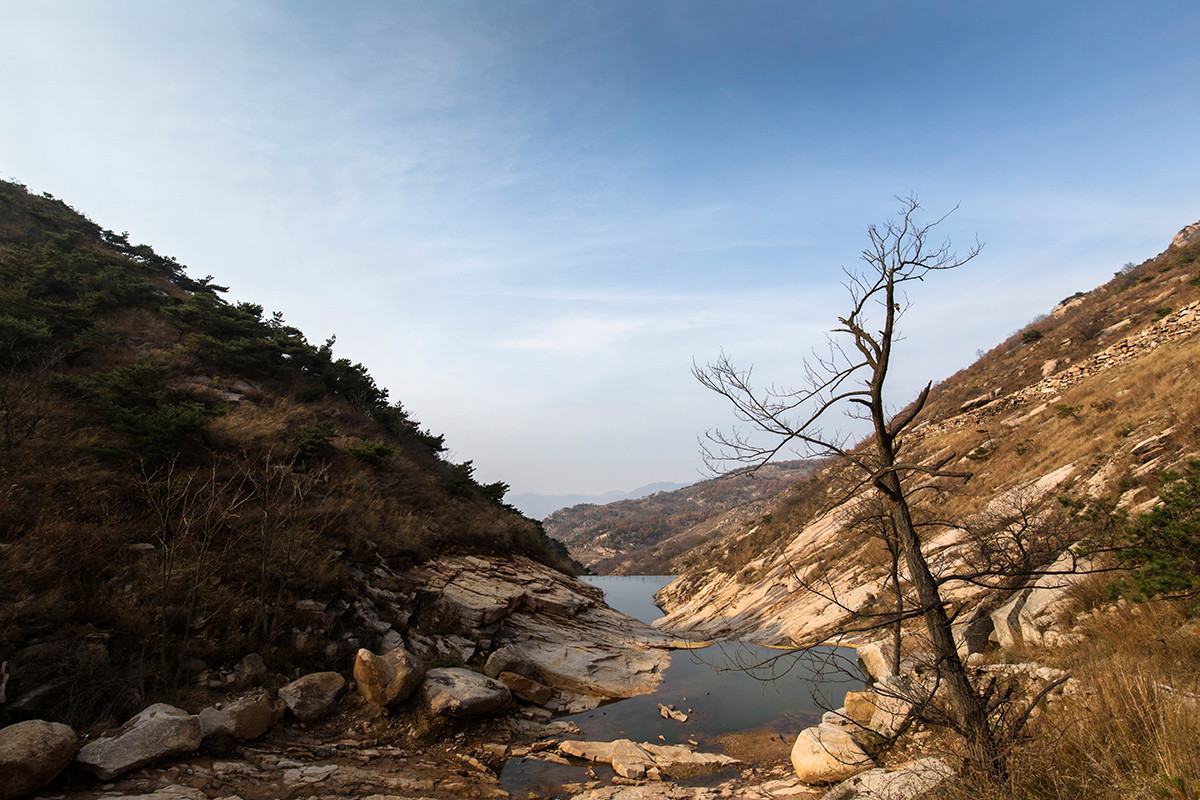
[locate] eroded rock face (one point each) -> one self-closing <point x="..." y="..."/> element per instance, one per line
<point x="387" y="679"/>
<point x="1188" y="236"/>
<point x="245" y="718"/>
<point x="313" y="695"/>
<point x="32" y="753"/>
<point x="461" y="693"/>
<point x="825" y="754"/>
<point x="547" y="627"/>
<point x="158" y="731"/>
<point x="1032" y="615"/>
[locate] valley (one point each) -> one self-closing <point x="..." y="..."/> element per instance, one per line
<point x="232" y="567"/>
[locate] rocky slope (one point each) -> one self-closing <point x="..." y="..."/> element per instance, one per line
<point x="1095" y="399"/>
<point x="646" y="536"/>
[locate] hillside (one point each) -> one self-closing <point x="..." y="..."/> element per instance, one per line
<point x="540" y="506"/>
<point x="1093" y="400"/>
<point x="644" y="536"/>
<point x="185" y="481"/>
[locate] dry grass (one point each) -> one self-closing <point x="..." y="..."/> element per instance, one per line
<point x="1129" y="724"/>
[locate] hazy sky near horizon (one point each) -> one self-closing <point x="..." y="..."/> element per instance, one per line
<point x="527" y="218"/>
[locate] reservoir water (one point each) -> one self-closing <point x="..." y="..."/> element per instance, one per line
<point x="718" y="687"/>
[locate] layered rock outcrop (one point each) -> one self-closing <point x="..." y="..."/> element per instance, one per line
<point x="526" y="619"/>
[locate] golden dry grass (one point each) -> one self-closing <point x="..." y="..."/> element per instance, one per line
<point x="1128" y="725"/>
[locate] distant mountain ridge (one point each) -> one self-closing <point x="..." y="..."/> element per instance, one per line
<point x="540" y="506"/>
<point x="644" y="535"/>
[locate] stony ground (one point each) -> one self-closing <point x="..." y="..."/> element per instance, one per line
<point x="355" y="754"/>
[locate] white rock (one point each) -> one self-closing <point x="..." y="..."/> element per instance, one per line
<point x="825" y="754"/>
<point x="909" y="781"/>
<point x="632" y="760"/>
<point x="876" y="659"/>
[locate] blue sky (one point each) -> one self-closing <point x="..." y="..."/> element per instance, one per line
<point x="527" y="218"/>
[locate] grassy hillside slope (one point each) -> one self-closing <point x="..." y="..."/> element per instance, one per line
<point x="178" y="474"/>
<point x="1107" y="383"/>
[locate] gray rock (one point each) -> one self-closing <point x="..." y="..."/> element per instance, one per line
<point x="313" y="695"/>
<point x="32" y="753"/>
<point x="825" y="754"/>
<point x="158" y="731"/>
<point x="391" y="640"/>
<point x="251" y="667"/>
<point x="1033" y="614"/>
<point x="460" y="693"/>
<point x="387" y="679"/>
<point x="245" y="718"/>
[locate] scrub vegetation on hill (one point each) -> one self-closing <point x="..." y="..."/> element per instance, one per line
<point x="179" y="473"/>
<point x="646" y="535"/>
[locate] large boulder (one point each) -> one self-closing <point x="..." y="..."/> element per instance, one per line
<point x="387" y="679"/>
<point x="860" y="707"/>
<point x="32" y="753"/>
<point x="460" y="693"/>
<point x="827" y="754"/>
<point x="313" y="695"/>
<point x="158" y="731"/>
<point x="245" y="718"/>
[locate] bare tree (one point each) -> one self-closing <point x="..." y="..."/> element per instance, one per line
<point x="852" y="374"/>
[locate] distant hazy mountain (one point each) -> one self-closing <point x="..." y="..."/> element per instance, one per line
<point x="540" y="506"/>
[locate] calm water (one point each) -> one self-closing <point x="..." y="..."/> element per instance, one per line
<point x="723" y="689"/>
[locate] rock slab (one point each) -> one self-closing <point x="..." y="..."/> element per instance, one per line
<point x="461" y="693"/>
<point x="158" y="731"/>
<point x="32" y="753"/>
<point x="636" y="761"/>
<point x="387" y="679"/>
<point x="313" y="695"/>
<point x="911" y="780"/>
